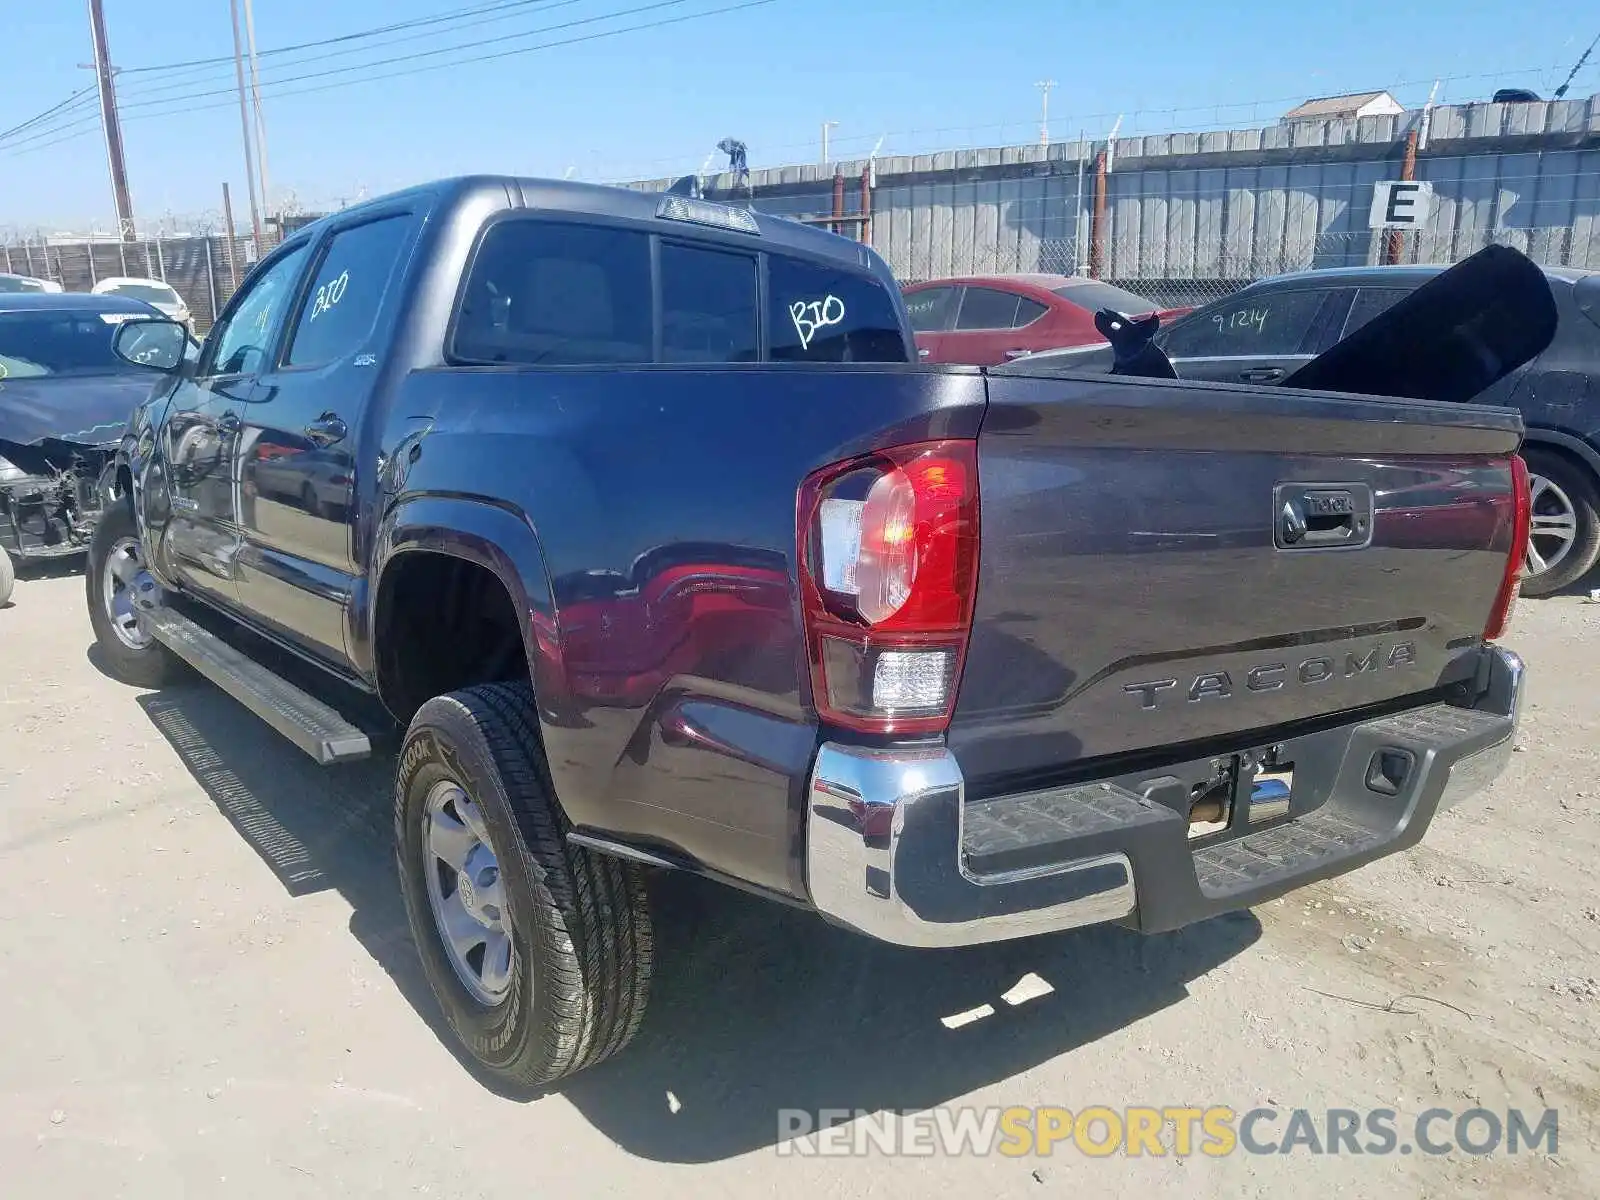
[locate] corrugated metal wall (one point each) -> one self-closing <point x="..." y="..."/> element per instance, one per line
<point x="1227" y="206"/>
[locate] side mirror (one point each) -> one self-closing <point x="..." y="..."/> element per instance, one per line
<point x="152" y="342"/>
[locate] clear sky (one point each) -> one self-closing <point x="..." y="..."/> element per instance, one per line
<point x="920" y="74"/>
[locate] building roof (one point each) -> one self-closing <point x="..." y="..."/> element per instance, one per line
<point x="1333" y="106"/>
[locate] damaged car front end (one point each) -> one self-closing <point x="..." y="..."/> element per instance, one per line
<point x="51" y="493"/>
<point x="65" y="399"/>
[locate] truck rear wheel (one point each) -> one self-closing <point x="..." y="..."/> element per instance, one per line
<point x="538" y="951"/>
<point x="132" y="655"/>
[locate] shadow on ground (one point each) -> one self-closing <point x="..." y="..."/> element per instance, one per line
<point x="756" y="1007"/>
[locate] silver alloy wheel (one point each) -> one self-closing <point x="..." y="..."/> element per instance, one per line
<point x="1554" y="528"/>
<point x="122" y="567"/>
<point x="466" y="893"/>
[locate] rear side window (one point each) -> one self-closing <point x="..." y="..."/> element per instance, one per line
<point x="1094" y="296"/>
<point x="708" y="306"/>
<point x="1028" y="311"/>
<point x="341" y="306"/>
<point x="986" y="308"/>
<point x="816" y="313"/>
<point x="557" y="294"/>
<point x="1247" y="324"/>
<point x="931" y="309"/>
<point x="1369" y="303"/>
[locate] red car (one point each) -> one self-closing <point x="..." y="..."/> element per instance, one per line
<point x="987" y="319"/>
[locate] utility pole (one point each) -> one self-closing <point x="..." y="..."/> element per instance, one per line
<point x="826" y="126"/>
<point x="108" y="119"/>
<point x="255" y="100"/>
<point x="244" y="127"/>
<point x="1044" y="86"/>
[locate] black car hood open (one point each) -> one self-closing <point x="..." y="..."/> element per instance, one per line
<point x="88" y="410"/>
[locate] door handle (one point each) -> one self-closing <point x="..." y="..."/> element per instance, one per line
<point x="326" y="430"/>
<point x="1261" y="374"/>
<point x="1015" y="354"/>
<point x="923" y="352"/>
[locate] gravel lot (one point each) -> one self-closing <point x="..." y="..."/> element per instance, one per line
<point x="207" y="987"/>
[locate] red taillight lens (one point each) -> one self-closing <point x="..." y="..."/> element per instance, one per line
<point x="889" y="561"/>
<point x="1521" y="522"/>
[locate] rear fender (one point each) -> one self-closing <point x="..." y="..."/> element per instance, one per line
<point x="492" y="535"/>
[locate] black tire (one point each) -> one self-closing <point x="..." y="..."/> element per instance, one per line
<point x="151" y="666"/>
<point x="580" y="923"/>
<point x="1579" y="486"/>
<point x="8" y="577"/>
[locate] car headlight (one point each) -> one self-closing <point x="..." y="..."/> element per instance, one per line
<point x="9" y="471"/>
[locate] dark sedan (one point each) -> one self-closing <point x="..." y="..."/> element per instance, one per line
<point x="64" y="401"/>
<point x="1269" y="329"/>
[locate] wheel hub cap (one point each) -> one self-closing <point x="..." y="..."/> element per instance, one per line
<point x="124" y="566"/>
<point x="1553" y="527"/>
<point x="465" y="892"/>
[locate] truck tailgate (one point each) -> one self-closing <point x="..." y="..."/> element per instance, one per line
<point x="1165" y="563"/>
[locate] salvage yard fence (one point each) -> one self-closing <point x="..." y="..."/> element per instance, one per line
<point x="1180" y="218"/>
<point x="1191" y="217"/>
<point x="204" y="269"/>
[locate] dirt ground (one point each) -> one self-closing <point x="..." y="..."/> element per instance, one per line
<point x="207" y="988"/>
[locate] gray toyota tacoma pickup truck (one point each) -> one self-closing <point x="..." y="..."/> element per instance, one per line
<point x="636" y="514"/>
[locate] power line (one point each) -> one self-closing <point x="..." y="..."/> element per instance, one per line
<point x="78" y="98"/>
<point x="438" y="18"/>
<point x="458" y="18"/>
<point x="180" y="104"/>
<point x="472" y="45"/>
<point x="180" y="85"/>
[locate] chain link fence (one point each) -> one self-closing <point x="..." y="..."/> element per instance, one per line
<point x="1133" y="262"/>
<point x="203" y="267"/>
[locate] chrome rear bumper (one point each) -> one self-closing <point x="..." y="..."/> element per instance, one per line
<point x="886" y="843"/>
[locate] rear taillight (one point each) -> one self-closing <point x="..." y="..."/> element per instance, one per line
<point x="888" y="547"/>
<point x="1517" y="554"/>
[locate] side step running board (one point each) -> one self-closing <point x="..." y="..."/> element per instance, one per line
<point x="302" y="718"/>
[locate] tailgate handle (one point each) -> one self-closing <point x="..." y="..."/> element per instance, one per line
<point x="1322" y="516"/>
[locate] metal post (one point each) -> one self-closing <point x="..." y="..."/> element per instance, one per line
<point x="1395" y="248"/>
<point x="255" y="100"/>
<point x="866" y="203"/>
<point x="211" y="280"/>
<point x="88" y="252"/>
<point x="108" y="118"/>
<point x="227" y="217"/>
<point x="122" y="254"/>
<point x="27" y="252"/>
<point x="161" y="261"/>
<point x="1044" y="86"/>
<point x="838" y="201"/>
<point x="244" y="128"/>
<point x="1097" y="232"/>
<point x="149" y="271"/>
<point x="1079" y="259"/>
<point x="9" y="271"/>
<point x="826" y="126"/>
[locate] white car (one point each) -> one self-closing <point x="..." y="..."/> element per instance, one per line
<point x="26" y="283"/>
<point x="151" y="291"/>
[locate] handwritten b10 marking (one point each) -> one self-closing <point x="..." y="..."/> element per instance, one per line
<point x="811" y="315"/>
